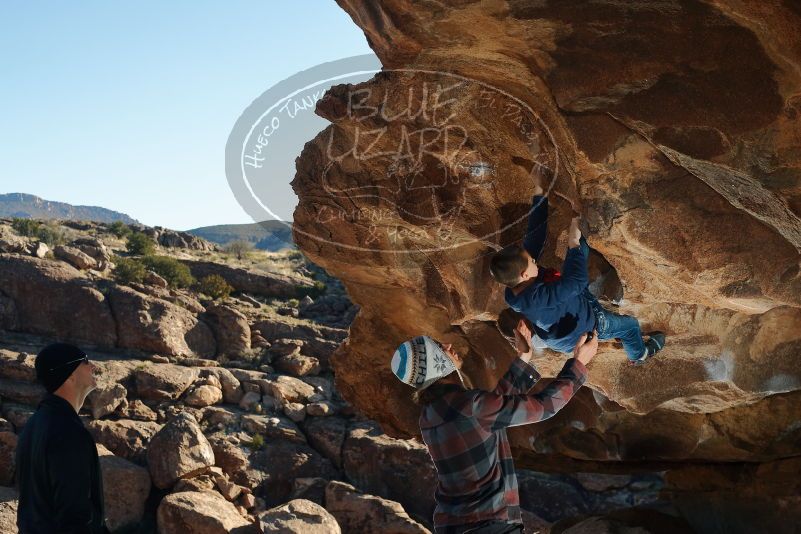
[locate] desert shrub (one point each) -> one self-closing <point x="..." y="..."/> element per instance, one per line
<point x="129" y="270"/>
<point x="241" y="249"/>
<point x="48" y="232"/>
<point x="141" y="244"/>
<point x="119" y="229"/>
<point x="256" y="443"/>
<point x="214" y="286"/>
<point x="52" y="234"/>
<point x="295" y="255"/>
<point x="293" y="303"/>
<point x="26" y="227"/>
<point x="315" y="291"/>
<point x="173" y="271"/>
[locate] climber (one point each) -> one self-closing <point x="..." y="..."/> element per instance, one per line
<point x="560" y="306"/>
<point x="465" y="428"/>
<point x="58" y="471"/>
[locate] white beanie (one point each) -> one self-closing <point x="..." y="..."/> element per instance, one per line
<point x="421" y="361"/>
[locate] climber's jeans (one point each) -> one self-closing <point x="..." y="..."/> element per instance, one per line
<point x="626" y="328"/>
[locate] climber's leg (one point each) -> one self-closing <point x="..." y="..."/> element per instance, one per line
<point x="626" y="328"/>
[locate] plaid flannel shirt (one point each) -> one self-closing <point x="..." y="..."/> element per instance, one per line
<point x="465" y="431"/>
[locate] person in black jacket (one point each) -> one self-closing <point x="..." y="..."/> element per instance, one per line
<point x="58" y="472"/>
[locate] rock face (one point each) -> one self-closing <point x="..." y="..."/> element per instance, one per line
<point x="254" y="282"/>
<point x="149" y="323"/>
<point x="681" y="153"/>
<point x="31" y="282"/>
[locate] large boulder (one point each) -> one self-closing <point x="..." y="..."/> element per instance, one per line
<point x="298" y="516"/>
<point x="396" y="469"/>
<point x="75" y="309"/>
<point x="125" y="438"/>
<point x="163" y="381"/>
<point x="201" y="512"/>
<point x="357" y="512"/>
<point x="75" y="257"/>
<point x="327" y="435"/>
<point x="672" y="129"/>
<point x="152" y="324"/>
<point x="126" y="487"/>
<point x="230" y="327"/>
<point x="178" y="450"/>
<point x="283" y="462"/>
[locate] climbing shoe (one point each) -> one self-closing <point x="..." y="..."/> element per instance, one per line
<point x="654" y="343"/>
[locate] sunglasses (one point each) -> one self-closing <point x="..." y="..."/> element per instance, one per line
<point x="84" y="359"/>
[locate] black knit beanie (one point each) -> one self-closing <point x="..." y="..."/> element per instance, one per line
<point x="54" y="356"/>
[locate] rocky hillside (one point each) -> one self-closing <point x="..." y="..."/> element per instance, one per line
<point x="221" y="415"/>
<point x="33" y="207"/>
<point x="673" y="129"/>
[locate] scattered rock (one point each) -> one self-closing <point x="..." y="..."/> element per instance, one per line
<point x="138" y="410"/>
<point x="75" y="257"/>
<point x="283" y="462"/>
<point x="106" y="399"/>
<point x="295" y="411"/>
<point x="200" y="512"/>
<point x="298" y="365"/>
<point x="290" y="389"/>
<point x="204" y="395"/>
<point x="249" y="400"/>
<point x="327" y="435"/>
<point x="368" y="514"/>
<point x="232" y="391"/>
<point x="154" y="279"/>
<point x="125" y="438"/>
<point x="320" y="409"/>
<point x="163" y="381"/>
<point x="298" y="516"/>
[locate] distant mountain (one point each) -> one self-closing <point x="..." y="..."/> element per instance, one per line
<point x="32" y="207"/>
<point x="265" y="235"/>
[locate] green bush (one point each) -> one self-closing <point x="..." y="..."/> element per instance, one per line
<point x="26" y="227"/>
<point x="129" y="270"/>
<point x="141" y="244"/>
<point x="241" y="249"/>
<point x="119" y="229"/>
<point x="256" y="443"/>
<point x="173" y="271"/>
<point x="315" y="291"/>
<point x="48" y="232"/>
<point x="52" y="234"/>
<point x="214" y="286"/>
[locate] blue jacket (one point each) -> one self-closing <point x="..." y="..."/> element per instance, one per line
<point x="560" y="311"/>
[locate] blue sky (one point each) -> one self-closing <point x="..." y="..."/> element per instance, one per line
<point x="128" y="105"/>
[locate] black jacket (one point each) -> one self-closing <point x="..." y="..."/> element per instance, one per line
<point x="58" y="473"/>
